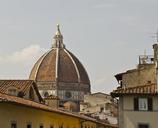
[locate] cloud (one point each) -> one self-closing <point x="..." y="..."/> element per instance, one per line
<point x="100" y="80"/>
<point x="22" y="56"/>
<point x="18" y="64"/>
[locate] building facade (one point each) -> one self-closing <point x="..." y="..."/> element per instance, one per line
<point x="138" y="94"/>
<point x="58" y="72"/>
<point x="22" y="113"/>
<point x="101" y="106"/>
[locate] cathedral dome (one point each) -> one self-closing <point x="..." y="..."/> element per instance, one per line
<point x="59" y="65"/>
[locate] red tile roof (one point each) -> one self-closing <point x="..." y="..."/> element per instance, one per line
<point x="24" y="102"/>
<point x="52" y="97"/>
<point x="21" y="85"/>
<point x="146" y="89"/>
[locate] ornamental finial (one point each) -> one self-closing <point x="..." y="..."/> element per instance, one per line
<point x="58" y="30"/>
<point x="58" y="39"/>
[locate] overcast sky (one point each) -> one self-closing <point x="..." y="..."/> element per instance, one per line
<point x="105" y="35"/>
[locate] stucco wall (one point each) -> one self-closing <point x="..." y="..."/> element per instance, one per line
<point x="128" y="102"/>
<point x="120" y="114"/>
<point x="128" y="118"/>
<point x="96" y="100"/>
<point x="23" y="115"/>
<point x="140" y="76"/>
<point x="132" y="119"/>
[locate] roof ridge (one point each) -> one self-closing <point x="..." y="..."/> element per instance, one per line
<point x="16" y="80"/>
<point x="140" y="86"/>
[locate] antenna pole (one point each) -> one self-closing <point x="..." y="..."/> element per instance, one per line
<point x="157" y="36"/>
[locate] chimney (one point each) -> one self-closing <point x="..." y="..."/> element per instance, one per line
<point x="52" y="101"/>
<point x="155" y="47"/>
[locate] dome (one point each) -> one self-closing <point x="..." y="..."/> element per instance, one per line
<point x="71" y="106"/>
<point x="59" y="65"/>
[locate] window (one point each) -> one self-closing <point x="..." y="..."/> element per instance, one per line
<point x="143" y="104"/>
<point x="68" y="95"/>
<point x="29" y="126"/>
<point x="13" y="124"/>
<point x="12" y="92"/>
<point x="41" y="126"/>
<point x="143" y="126"/>
<point x="101" y="109"/>
<point x="46" y="94"/>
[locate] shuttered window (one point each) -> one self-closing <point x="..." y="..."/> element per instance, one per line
<point x="13" y="124"/>
<point x="29" y="126"/>
<point x="144" y="104"/>
<point x="135" y="104"/>
<point x="143" y="126"/>
<point x="150" y="104"/>
<point x="41" y="126"/>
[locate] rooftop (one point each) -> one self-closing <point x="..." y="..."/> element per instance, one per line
<point x="24" y="102"/>
<point x="145" y="89"/>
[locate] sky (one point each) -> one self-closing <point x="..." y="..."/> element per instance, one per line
<point x="107" y="36"/>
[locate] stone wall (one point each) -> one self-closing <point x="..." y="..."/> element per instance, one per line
<point x="143" y="75"/>
<point x="65" y="91"/>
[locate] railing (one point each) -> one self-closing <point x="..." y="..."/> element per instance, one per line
<point x="146" y="59"/>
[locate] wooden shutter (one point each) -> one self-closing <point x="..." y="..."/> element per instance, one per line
<point x="135" y="104"/>
<point x="143" y="126"/>
<point x="150" y="104"/>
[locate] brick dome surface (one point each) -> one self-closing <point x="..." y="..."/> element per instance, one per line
<point x="60" y="65"/>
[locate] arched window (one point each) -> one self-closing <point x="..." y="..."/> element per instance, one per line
<point x="31" y="94"/>
<point x="46" y="94"/>
<point x="12" y="91"/>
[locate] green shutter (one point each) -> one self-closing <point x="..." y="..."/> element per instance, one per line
<point x="150" y="104"/>
<point x="135" y="104"/>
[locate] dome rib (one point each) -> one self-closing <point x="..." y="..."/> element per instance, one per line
<point x="77" y="71"/>
<point x="57" y="64"/>
<point x="84" y="77"/>
<point x="44" y="56"/>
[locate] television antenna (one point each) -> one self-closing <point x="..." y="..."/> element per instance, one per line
<point x="155" y="35"/>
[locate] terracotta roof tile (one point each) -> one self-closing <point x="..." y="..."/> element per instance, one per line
<point x="50" y="97"/>
<point x="145" y="89"/>
<point x="21" y="85"/>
